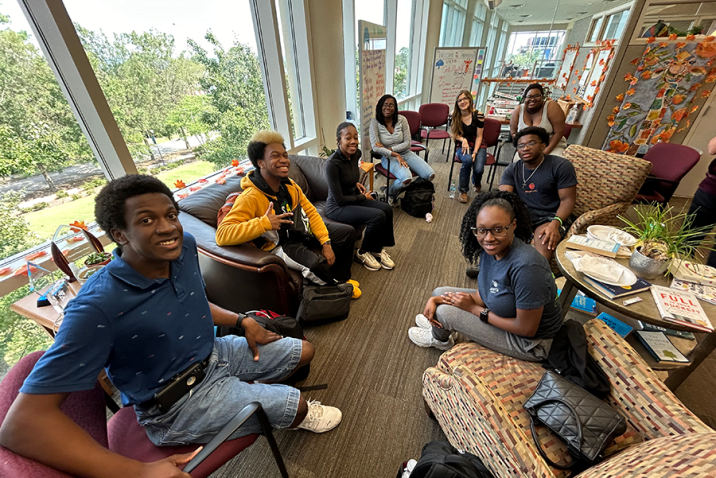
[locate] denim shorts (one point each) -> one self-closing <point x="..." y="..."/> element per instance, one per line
<point x="200" y="414"/>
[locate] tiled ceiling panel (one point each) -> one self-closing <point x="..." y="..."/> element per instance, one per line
<point x="534" y="12"/>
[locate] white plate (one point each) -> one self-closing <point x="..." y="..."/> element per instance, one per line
<point x="611" y="234"/>
<point x="626" y="278"/>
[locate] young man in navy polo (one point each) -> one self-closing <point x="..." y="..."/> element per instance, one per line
<point x="546" y="183"/>
<point x="145" y="318"/>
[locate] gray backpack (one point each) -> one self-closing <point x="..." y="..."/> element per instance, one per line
<point x="324" y="303"/>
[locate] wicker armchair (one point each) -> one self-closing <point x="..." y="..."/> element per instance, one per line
<point x="607" y="185"/>
<point x="477" y="396"/>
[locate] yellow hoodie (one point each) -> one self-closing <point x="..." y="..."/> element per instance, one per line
<point x="247" y="221"/>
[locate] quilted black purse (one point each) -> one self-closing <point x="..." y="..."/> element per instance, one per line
<point x="585" y="423"/>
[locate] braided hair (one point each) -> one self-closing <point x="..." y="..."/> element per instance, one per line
<point x="507" y="201"/>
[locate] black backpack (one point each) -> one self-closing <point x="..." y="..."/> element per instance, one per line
<point x="442" y="460"/>
<point x="321" y="304"/>
<point x="419" y="198"/>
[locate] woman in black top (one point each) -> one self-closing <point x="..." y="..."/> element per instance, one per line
<point x="350" y="203"/>
<point x="467" y="128"/>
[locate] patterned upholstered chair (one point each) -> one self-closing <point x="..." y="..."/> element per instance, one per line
<point x="607" y="185"/>
<point x="477" y="396"/>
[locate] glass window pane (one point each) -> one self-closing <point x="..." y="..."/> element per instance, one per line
<point x="403" y="36"/>
<point x="476" y="33"/>
<point x="291" y="68"/>
<point x="596" y="27"/>
<point x="184" y="83"/>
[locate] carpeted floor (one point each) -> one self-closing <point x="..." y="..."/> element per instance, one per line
<point x="374" y="372"/>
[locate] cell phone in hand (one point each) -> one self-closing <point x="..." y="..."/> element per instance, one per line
<point x="374" y="195"/>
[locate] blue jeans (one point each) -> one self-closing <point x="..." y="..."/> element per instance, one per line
<point x="200" y="414"/>
<point x="403" y="175"/>
<point x="477" y="167"/>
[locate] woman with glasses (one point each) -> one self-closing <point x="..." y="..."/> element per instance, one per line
<point x="467" y="128"/>
<point x="390" y="137"/>
<point x="514" y="310"/>
<point x="538" y="110"/>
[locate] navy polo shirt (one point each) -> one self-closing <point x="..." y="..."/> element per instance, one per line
<point x="142" y="331"/>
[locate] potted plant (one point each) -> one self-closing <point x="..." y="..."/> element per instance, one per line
<point x="98" y="259"/>
<point x="662" y="236"/>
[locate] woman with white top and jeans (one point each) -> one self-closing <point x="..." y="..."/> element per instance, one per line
<point x="390" y="137"/>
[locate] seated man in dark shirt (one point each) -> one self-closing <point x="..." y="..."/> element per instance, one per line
<point x="145" y="318"/>
<point x="547" y="184"/>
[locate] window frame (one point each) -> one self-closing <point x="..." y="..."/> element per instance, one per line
<point x="601" y="20"/>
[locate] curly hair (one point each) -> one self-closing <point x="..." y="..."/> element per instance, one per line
<point x="541" y="133"/>
<point x="258" y="142"/>
<point x="507" y="201"/>
<point x="379" y="110"/>
<point x="109" y="203"/>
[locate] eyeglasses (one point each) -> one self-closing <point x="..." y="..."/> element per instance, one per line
<point x="530" y="145"/>
<point x="535" y="97"/>
<point x="460" y="100"/>
<point x="499" y="231"/>
<point x="389" y="106"/>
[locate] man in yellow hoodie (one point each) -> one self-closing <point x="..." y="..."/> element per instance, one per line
<point x="264" y="211"/>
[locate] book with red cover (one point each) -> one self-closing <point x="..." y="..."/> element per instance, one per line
<point x="681" y="307"/>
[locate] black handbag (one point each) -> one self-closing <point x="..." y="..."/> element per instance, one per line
<point x="585" y="423"/>
<point x="321" y="304"/>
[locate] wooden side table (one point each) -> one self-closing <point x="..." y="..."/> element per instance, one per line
<point x="368" y="168"/>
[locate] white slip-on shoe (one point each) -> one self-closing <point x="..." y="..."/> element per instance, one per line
<point x="368" y="261"/>
<point x="320" y="418"/>
<point x="385" y="260"/>
<point x="424" y="338"/>
<point x="422" y="322"/>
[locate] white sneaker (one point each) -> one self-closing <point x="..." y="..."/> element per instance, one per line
<point x="320" y="418"/>
<point x="385" y="260"/>
<point x="368" y="261"/>
<point x="424" y="338"/>
<point x="423" y="322"/>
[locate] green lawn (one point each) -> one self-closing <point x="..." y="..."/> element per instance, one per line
<point x="45" y="222"/>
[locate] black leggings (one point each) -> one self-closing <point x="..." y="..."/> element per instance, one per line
<point x="378" y="218"/>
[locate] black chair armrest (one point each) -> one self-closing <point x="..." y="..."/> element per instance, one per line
<point x="228" y="430"/>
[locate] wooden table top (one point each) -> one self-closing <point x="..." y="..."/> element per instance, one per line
<point x="44" y="316"/>
<point x="645" y="310"/>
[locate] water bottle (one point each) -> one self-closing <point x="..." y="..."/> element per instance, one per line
<point x="452" y="190"/>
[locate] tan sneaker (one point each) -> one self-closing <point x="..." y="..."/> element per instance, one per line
<point x="462" y="197"/>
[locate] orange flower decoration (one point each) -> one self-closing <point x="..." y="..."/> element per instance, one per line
<point x="673" y="36"/>
<point x="179" y="184"/>
<point x="631" y="91"/>
<point x="681" y="44"/>
<point x="705" y="50"/>
<point x="620" y="97"/>
<point x="234" y="162"/>
<point x="618" y="147"/>
<point x="690" y="37"/>
<point x="651" y="40"/>
<point x="705" y="94"/>
<point x="77" y="226"/>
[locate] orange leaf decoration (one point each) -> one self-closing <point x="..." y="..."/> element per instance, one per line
<point x="673" y="36"/>
<point x="615" y="110"/>
<point x="240" y="171"/>
<point x="221" y="180"/>
<point x="179" y="184"/>
<point x="695" y="87"/>
<point x="596" y="90"/>
<point x="22" y="271"/>
<point x="631" y="91"/>
<point x="203" y="181"/>
<point x="4" y="271"/>
<point x="690" y="37"/>
<point x="601" y="62"/>
<point x="627" y="106"/>
<point x="610" y="120"/>
<point x="579" y="77"/>
<point x="711" y="78"/>
<point x="234" y="162"/>
<point x="681" y="44"/>
<point x="618" y="147"/>
<point x="628" y="77"/>
<point x="35" y="255"/>
<point x="633" y="82"/>
<point x="593" y="83"/>
<point x="574" y="90"/>
<point x="678" y="115"/>
<point x="640" y="68"/>
<point x="709" y="39"/>
<point x="693" y="108"/>
<point x="76" y="239"/>
<point x="663" y="44"/>
<point x="194" y="188"/>
<point x="182" y="195"/>
<point x="635" y="61"/>
<point x="688" y="123"/>
<point x="651" y="40"/>
<point x="705" y="94"/>
<point x="77" y="226"/>
<point x="705" y="50"/>
<point x="620" y="97"/>
<point x="678" y="99"/>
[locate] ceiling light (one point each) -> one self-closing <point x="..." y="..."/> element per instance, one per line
<point x="582" y="13"/>
<point x="568" y="19"/>
<point x="520" y="21"/>
<point x="517" y="5"/>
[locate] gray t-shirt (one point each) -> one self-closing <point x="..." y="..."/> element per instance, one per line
<point x="520" y="280"/>
<point x="540" y="193"/>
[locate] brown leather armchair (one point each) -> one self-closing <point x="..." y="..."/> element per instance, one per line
<point x="243" y="277"/>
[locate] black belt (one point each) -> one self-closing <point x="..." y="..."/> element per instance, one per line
<point x="178" y="386"/>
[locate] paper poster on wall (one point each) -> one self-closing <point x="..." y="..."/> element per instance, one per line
<point x="570" y="56"/>
<point x="596" y="75"/>
<point x="453" y="70"/>
<point x="372" y="76"/>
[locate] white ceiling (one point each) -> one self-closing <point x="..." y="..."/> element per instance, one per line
<point x="542" y="11"/>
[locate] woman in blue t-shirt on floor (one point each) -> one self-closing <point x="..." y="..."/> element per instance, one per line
<point x="514" y="311"/>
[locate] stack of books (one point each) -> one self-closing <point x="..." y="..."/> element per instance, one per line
<point x="615" y="291"/>
<point x="681" y="307"/>
<point x="584" y="243"/>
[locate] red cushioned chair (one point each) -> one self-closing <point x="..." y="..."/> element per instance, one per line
<point x="417" y="147"/>
<point x="434" y="115"/>
<point x="123" y="434"/>
<point x="491" y="137"/>
<point x="671" y="162"/>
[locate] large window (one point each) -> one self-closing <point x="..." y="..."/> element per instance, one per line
<point x="608" y="25"/>
<point x="478" y="24"/>
<point x="403" y="35"/>
<point x="453" y="22"/>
